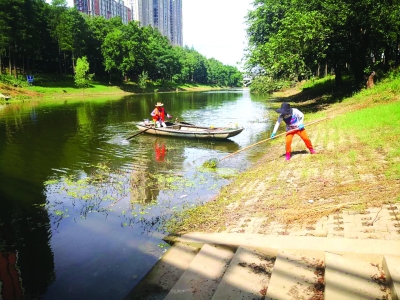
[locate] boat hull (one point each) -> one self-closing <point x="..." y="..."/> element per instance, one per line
<point x="190" y="131"/>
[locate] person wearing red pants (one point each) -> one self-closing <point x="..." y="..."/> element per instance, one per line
<point x="294" y="125"/>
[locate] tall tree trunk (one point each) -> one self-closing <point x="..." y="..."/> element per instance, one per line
<point x="28" y="65"/>
<point x="386" y="58"/>
<point x="22" y="71"/>
<point x="59" y="62"/>
<point x="338" y="75"/>
<point x="370" y="82"/>
<point x="73" y="63"/>
<point x="396" y="59"/>
<point x="15" y="63"/>
<point x="9" y="61"/>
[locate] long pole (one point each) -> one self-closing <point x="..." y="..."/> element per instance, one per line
<point x="152" y="127"/>
<point x="138" y="133"/>
<point x="284" y="133"/>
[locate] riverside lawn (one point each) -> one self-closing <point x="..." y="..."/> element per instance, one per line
<point x="66" y="89"/>
<point x="357" y="164"/>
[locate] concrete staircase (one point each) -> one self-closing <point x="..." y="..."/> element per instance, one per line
<point x="239" y="266"/>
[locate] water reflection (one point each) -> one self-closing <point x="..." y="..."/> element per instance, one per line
<point x="26" y="259"/>
<point x="159" y="150"/>
<point x="82" y="214"/>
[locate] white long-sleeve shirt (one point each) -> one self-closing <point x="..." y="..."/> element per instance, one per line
<point x="292" y="122"/>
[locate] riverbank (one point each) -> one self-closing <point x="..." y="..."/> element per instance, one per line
<point x="356" y="168"/>
<point x="66" y="90"/>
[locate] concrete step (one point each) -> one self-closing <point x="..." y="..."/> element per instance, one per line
<point x="202" y="277"/>
<point x="294" y="242"/>
<point x="391" y="266"/>
<point x="297" y="274"/>
<point x="349" y="278"/>
<point x="157" y="283"/>
<point x="248" y="274"/>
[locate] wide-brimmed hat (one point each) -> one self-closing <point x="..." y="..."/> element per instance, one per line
<point x="285" y="109"/>
<point x="159" y="104"/>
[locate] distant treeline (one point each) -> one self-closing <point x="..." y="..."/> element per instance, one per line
<point x="295" y="39"/>
<point x="37" y="37"/>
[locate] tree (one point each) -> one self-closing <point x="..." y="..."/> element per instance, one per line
<point x="98" y="28"/>
<point x="69" y="29"/>
<point x="142" y="81"/>
<point x="289" y="39"/>
<point x="82" y="76"/>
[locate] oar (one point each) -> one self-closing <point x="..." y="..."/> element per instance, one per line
<point x="140" y="132"/>
<point x="284" y="133"/>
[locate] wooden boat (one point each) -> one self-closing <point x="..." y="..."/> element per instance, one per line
<point x="186" y="130"/>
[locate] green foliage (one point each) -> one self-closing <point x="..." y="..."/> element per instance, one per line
<point x="51" y="36"/>
<point x="267" y="85"/>
<point x="293" y="39"/>
<point x="82" y="78"/>
<point x="210" y="164"/>
<point x="20" y="81"/>
<point x="142" y="81"/>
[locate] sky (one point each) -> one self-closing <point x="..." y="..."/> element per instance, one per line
<point x="215" y="28"/>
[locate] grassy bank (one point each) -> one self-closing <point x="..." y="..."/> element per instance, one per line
<point x="65" y="89"/>
<point x="357" y="165"/>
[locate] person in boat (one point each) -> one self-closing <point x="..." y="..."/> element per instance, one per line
<point x="159" y="114"/>
<point x="294" y="125"/>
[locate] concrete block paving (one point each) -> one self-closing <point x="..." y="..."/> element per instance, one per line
<point x="375" y="223"/>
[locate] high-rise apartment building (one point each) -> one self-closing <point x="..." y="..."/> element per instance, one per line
<point x="165" y="15"/>
<point x="106" y="8"/>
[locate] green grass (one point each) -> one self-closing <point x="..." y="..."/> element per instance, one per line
<point x="376" y="124"/>
<point x="60" y="87"/>
<point x="326" y="83"/>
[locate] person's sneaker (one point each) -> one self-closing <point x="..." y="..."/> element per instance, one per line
<point x="288" y="156"/>
<point x="312" y="151"/>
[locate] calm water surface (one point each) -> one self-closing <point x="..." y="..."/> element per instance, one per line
<point x="82" y="209"/>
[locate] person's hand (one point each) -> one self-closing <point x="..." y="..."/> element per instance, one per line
<point x="301" y="126"/>
<point x="272" y="135"/>
<point x="169" y="116"/>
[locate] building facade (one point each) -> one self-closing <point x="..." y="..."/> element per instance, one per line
<point x="165" y="15"/>
<point x="106" y="8"/>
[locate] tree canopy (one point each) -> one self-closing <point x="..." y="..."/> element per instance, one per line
<point x="292" y="39"/>
<point x="38" y="37"/>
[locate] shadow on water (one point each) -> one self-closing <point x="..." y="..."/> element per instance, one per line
<point x="26" y="259"/>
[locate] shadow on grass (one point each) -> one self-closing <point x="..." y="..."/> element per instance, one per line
<point x="319" y="96"/>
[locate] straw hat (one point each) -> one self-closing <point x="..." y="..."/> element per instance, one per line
<point x="159" y="104"/>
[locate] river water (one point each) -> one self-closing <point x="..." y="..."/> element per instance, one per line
<point x="82" y="209"/>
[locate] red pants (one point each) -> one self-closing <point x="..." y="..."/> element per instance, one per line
<point x="302" y="134"/>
